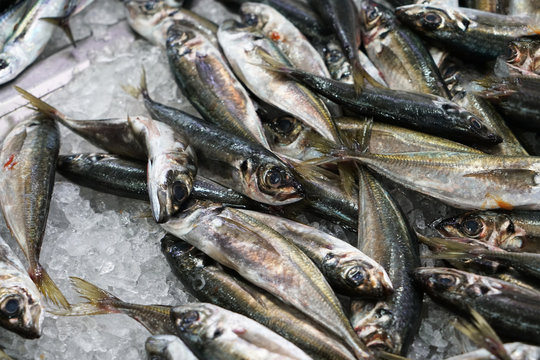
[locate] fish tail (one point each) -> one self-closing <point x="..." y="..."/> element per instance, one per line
<point x="47" y="287"/>
<point x="63" y="23"/>
<point x="138" y="91"/>
<point x="41" y="105"/>
<point x="273" y="64"/>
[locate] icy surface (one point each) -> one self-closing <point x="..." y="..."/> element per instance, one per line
<point x="112" y="242"/>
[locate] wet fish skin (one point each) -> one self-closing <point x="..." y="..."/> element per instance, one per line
<point x="524" y="8"/>
<point x="28" y="158"/>
<point x="21" y="310"/>
<point x="166" y="347"/>
<point x="246" y="167"/>
<point x="423" y="112"/>
<point x="347" y="269"/>
<point x="516" y="350"/>
<point x="10" y="17"/>
<point x="384" y="235"/>
<point x="237" y="241"/>
<point x="477" y="33"/>
<point x="215" y="333"/>
<point x="209" y="282"/>
<point x="510" y="231"/>
<point x="523" y="56"/>
<point x="398" y="53"/>
<point x="203" y="75"/>
<point x="511" y="310"/>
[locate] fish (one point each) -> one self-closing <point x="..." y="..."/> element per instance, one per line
<point x="28" y="40"/>
<point x="203" y="75"/>
<point x="266" y="259"/>
<point x="73" y="8"/>
<point x="383" y="234"/>
<point x="462" y="180"/>
<point x="209" y="282"/>
<point x="517" y="351"/>
<point x="523" y="56"/>
<point x="21" y="308"/>
<point x="422" y="112"/>
<point x="243" y="166"/>
<point x="171" y="160"/>
<point x="470" y="32"/>
<point x="166" y="347"/>
<point x="242" y="47"/>
<point x="510" y="231"/>
<point x="152" y="18"/>
<point x="511" y="310"/>
<point x="524" y="8"/>
<point x="215" y="333"/>
<point x="155" y="318"/>
<point x="10" y="17"/>
<point x="28" y="157"/>
<point x="347" y="269"/>
<point x="398" y="52"/>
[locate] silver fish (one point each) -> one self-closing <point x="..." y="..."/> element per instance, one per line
<point x="167" y="347"/>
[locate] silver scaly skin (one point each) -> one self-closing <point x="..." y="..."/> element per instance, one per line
<point x="9" y="19"/>
<point x="166" y="347"/>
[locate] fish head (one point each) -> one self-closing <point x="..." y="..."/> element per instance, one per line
<point x="431" y="20"/>
<point x="20" y="308"/>
<point x="337" y="64"/>
<point x="9" y="67"/>
<point x="257" y="16"/>
<point x="144" y="15"/>
<point x="376" y="19"/>
<point x="362" y="274"/>
<point x="193" y="213"/>
<point x="270" y="182"/>
<point x="183" y="40"/>
<point x="195" y="321"/>
<point x="185" y="256"/>
<point x="497" y="229"/>
<point x="374" y="323"/>
<point x="285" y="129"/>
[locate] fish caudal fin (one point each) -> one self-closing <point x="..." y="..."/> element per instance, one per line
<point x="48" y="288"/>
<point x="41" y="105"/>
<point x="63" y="23"/>
<point x="138" y="91"/>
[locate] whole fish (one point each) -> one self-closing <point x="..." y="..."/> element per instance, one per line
<point x="10" y="17"/>
<point x="242" y="47"/>
<point x="115" y="175"/>
<point x="266" y="259"/>
<point x="152" y="18"/>
<point x="203" y="75"/>
<point x="167" y="347"/>
<point x="346" y="268"/>
<point x="516" y="350"/>
<point x="467" y="181"/>
<point x="171" y="161"/>
<point x="246" y="167"/>
<point x="482" y="35"/>
<point x="209" y="282"/>
<point x="29" y="39"/>
<point x="28" y="159"/>
<point x="383" y="234"/>
<point x="21" y="310"/>
<point x="423" y="112"/>
<point x="398" y="53"/>
<point x="513" y="311"/>
<point x="511" y="231"/>
<point x="215" y="333"/>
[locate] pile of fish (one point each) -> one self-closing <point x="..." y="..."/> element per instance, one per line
<point x="306" y="107"/>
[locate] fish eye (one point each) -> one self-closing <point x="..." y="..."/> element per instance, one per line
<point x="149" y="6"/>
<point x="510" y="229"/>
<point x="444" y="282"/>
<point x="250" y="19"/>
<point x="475" y="123"/>
<point x="11" y="306"/>
<point x="188" y="319"/>
<point x="431" y="20"/>
<point x="372" y="13"/>
<point x="179" y="191"/>
<point x="273" y="177"/>
<point x="3" y="64"/>
<point x="471" y="226"/>
<point x="355" y="276"/>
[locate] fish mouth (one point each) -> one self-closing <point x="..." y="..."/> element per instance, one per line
<point x="375" y="338"/>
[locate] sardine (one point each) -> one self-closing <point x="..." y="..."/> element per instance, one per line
<point x="384" y="235"/>
<point x="28" y="159"/>
<point x="215" y="333"/>
<point x="511" y="231"/>
<point x="398" y="53"/>
<point x="21" y="310"/>
<point x="513" y="311"/>
<point x="209" y="282"/>
<point x="266" y="259"/>
<point x="28" y="40"/>
<point x="167" y="347"/>
<point x="246" y="167"/>
<point x="205" y="78"/>
<point x="480" y="34"/>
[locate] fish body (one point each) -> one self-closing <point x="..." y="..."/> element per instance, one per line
<point x="398" y="52"/>
<point x="512" y="311"/>
<point x="29" y="39"/>
<point x="210" y="85"/>
<point x="238" y="241"/>
<point x="9" y="19"/>
<point x="209" y="282"/>
<point x="166" y="347"/>
<point x="243" y="48"/>
<point x="383" y="234"/>
<point x="21" y="310"/>
<point x="218" y="334"/>
<point x="28" y="158"/>
<point x="346" y="268"/>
